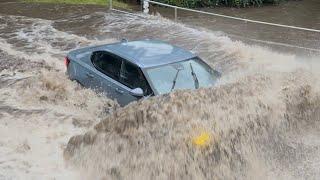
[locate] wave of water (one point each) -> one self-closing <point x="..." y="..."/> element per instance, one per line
<point x="262" y="117"/>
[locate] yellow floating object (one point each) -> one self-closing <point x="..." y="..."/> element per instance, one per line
<point x="202" y="140"/>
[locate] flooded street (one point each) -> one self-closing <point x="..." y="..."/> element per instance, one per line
<point x="294" y="13"/>
<point x="263" y="117"/>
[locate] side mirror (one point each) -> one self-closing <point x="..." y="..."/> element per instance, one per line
<point x="137" y="92"/>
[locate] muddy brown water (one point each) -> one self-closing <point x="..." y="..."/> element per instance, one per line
<point x="293" y="13"/>
<point x="262" y="117"/>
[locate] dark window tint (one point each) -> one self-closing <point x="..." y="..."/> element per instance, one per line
<point x="107" y="63"/>
<point x="133" y="77"/>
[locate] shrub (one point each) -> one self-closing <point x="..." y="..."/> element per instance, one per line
<point x="211" y="3"/>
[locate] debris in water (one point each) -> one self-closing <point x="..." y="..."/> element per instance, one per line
<point x="202" y="140"/>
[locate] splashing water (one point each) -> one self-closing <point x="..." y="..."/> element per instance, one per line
<point x="260" y="121"/>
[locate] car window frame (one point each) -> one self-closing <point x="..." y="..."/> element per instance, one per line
<point x="100" y="69"/>
<point x="139" y="69"/>
<point x="122" y="61"/>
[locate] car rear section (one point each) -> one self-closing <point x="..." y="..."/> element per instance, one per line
<point x="78" y="66"/>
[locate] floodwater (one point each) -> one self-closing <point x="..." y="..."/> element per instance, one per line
<point x="304" y="14"/>
<point x="262" y="118"/>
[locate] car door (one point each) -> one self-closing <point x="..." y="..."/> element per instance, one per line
<point x="108" y="72"/>
<point x="131" y="77"/>
<point x="118" y="77"/>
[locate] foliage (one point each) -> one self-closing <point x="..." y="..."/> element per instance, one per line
<point x="208" y="3"/>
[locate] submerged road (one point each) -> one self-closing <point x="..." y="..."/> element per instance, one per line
<point x="263" y="118"/>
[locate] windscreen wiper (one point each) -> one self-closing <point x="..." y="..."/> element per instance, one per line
<point x="175" y="80"/>
<point x="195" y="79"/>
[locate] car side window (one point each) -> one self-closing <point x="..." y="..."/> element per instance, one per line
<point x="107" y="63"/>
<point x="133" y="77"/>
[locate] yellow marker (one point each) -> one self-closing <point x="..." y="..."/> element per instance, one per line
<point x="202" y="140"/>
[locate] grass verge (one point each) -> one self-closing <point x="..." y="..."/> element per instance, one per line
<point x="115" y="3"/>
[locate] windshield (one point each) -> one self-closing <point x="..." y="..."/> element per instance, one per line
<point x="189" y="74"/>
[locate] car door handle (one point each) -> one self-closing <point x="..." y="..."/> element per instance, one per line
<point x="119" y="91"/>
<point x="89" y="75"/>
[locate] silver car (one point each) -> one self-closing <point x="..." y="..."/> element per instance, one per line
<point x="128" y="71"/>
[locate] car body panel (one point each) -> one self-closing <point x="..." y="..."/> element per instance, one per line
<point x="82" y="70"/>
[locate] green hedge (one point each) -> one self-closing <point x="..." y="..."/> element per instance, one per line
<point x="211" y="3"/>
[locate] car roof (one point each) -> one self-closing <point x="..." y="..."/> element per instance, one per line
<point x="148" y="53"/>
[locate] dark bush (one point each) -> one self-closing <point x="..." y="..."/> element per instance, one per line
<point x="212" y="3"/>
